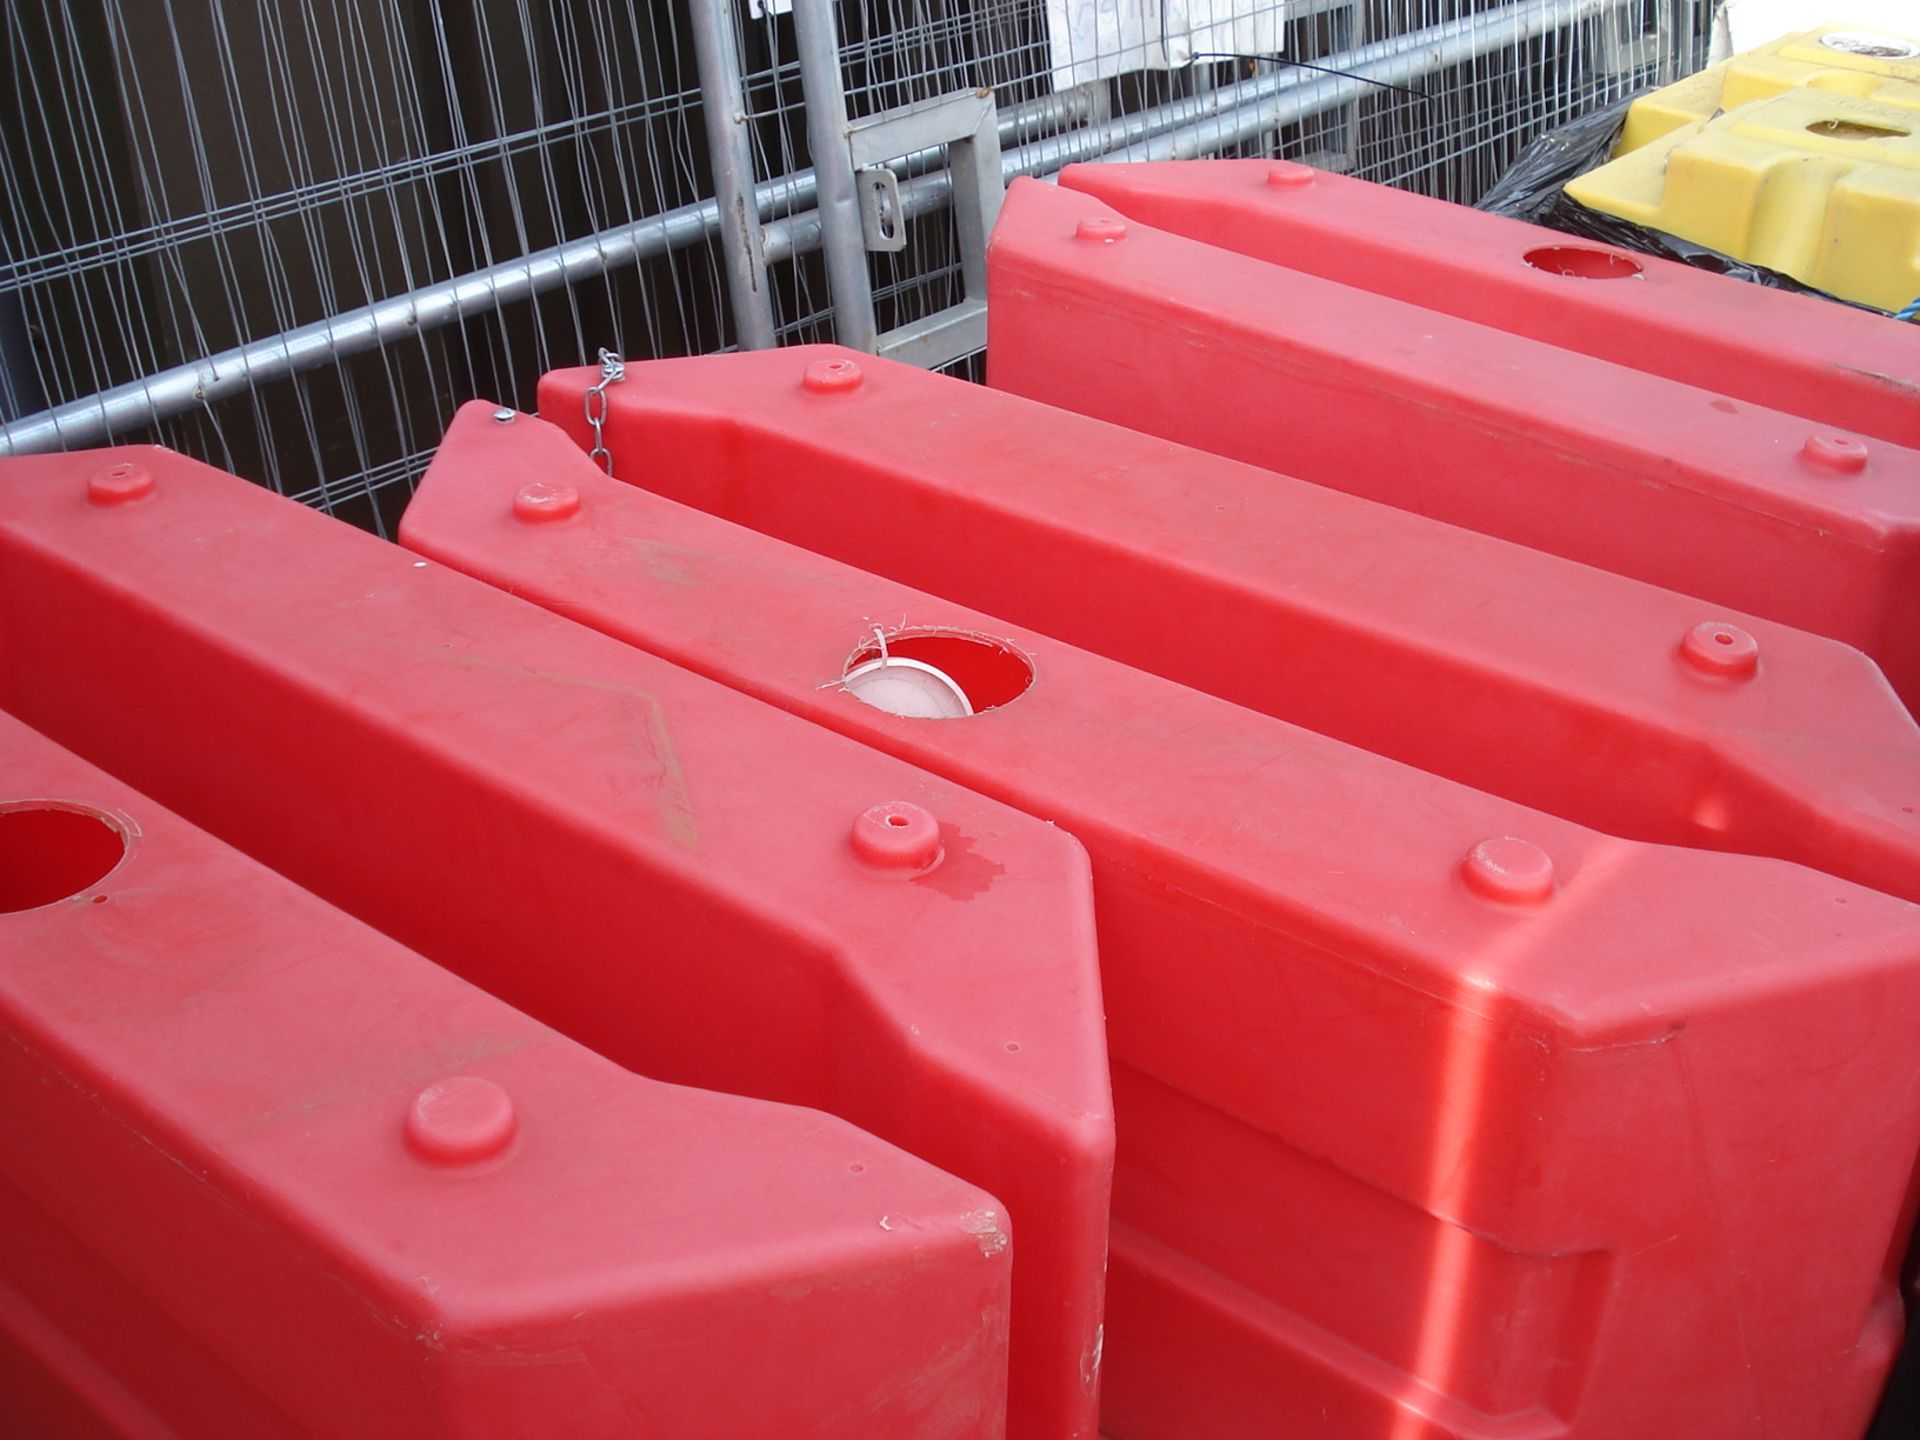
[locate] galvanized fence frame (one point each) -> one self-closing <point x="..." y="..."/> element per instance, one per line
<point x="769" y="244"/>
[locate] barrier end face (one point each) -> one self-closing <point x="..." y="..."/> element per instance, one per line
<point x="524" y="467"/>
<point x="1036" y="214"/>
<point x="455" y="450"/>
<point x="1083" y="176"/>
<point x="562" y="396"/>
<point x="945" y="854"/>
<point x="949" y="852"/>
<point x="1025" y="209"/>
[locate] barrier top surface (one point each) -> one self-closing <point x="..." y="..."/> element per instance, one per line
<point x="1327" y="795"/>
<point x="1360" y="999"/>
<point x="1846" y="47"/>
<point x="1844" y="60"/>
<point x="1522" y="390"/>
<point x="1794" y="353"/>
<point x="692" y="883"/>
<point x="1758" y="77"/>
<point x="311" y="1112"/>
<point x="1492" y="432"/>
<point x="1462" y="654"/>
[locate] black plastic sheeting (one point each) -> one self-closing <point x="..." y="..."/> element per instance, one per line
<point x="1899" y="1417"/>
<point x="1531" y="190"/>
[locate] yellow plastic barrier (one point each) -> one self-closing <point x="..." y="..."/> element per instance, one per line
<point x="1817" y="185"/>
<point x="1867" y="65"/>
<point x="1685" y="102"/>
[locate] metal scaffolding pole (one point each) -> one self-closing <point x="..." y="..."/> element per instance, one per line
<point x="717" y="51"/>
<point x="817" y="40"/>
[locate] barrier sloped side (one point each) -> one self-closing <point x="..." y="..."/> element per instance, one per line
<point x="1794" y="353"/>
<point x="265" y="1172"/>
<point x="1430" y="1107"/>
<point x="692" y="884"/>
<point x="1676" y="486"/>
<point x="1628" y="708"/>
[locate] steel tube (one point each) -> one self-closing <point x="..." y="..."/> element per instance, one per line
<point x="816" y="36"/>
<point x="717" y="52"/>
<point x="231" y="372"/>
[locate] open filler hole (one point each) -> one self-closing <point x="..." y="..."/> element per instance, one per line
<point x="931" y="673"/>
<point x="1856" y="130"/>
<point x="1865" y="42"/>
<point x="51" y="852"/>
<point x="1582" y="263"/>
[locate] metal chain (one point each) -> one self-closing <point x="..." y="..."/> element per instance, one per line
<point x="613" y="370"/>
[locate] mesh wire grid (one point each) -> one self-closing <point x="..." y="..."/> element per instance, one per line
<point x="182" y="177"/>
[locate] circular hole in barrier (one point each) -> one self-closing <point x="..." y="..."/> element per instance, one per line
<point x="1856" y="130"/>
<point x="1723" y="638"/>
<point x="51" y="852"/>
<point x="1866" y="42"/>
<point x="935" y="673"/>
<point x="1582" y="262"/>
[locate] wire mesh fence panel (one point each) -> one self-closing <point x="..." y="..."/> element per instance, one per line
<point x="291" y="236"/>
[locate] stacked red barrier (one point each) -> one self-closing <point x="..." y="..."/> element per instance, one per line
<point x="1632" y="709"/>
<point x="1757" y="509"/>
<point x="1832" y="364"/>
<point x="1509" y="964"/>
<point x="278" y="1175"/>
<point x="694" y="886"/>
<point x="1390" y="989"/>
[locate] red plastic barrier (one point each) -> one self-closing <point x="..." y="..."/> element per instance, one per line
<point x="1793" y="353"/>
<point x="1424" y="1130"/>
<point x="691" y="883"/>
<point x="1466" y="656"/>
<point x="265" y="1172"/>
<point x="1555" y="450"/>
